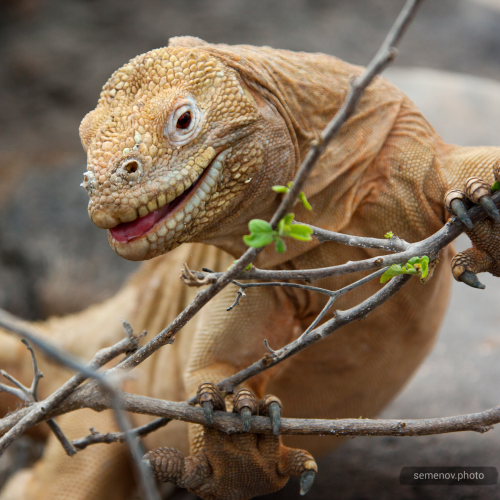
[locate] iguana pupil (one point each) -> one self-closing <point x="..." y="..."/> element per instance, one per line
<point x="184" y="121"/>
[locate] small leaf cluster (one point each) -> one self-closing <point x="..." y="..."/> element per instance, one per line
<point x="262" y="233"/>
<point x="389" y="235"/>
<point x="286" y="189"/>
<point x="418" y="266"/>
<point x="495" y="187"/>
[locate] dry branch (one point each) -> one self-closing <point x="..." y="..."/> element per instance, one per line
<point x="227" y="422"/>
<point x="230" y="422"/>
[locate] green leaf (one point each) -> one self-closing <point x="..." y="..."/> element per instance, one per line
<point x="495" y="187"/>
<point x="259" y="226"/>
<point x="414" y="260"/>
<point x="280" y="189"/>
<point x="425" y="266"/>
<point x="303" y="199"/>
<point x="411" y="270"/>
<point x="389" y="235"/>
<point x="301" y="229"/>
<point x="394" y="270"/>
<point x="280" y="245"/>
<point x="257" y="240"/>
<point x="284" y="225"/>
<point x="301" y="237"/>
<point x="283" y="229"/>
<point x="301" y="232"/>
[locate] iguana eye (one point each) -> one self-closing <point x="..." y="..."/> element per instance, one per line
<point x="183" y="124"/>
<point x="184" y="121"/>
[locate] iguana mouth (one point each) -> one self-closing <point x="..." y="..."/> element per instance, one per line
<point x="162" y="224"/>
<point x="129" y="231"/>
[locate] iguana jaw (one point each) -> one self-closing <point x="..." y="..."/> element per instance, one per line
<point x="151" y="234"/>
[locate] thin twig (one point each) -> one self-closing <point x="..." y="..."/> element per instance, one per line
<point x="229" y="422"/>
<point x="118" y="437"/>
<point x="393" y="244"/>
<point x="30" y="395"/>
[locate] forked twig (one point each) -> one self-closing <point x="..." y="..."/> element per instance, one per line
<point x="12" y="324"/>
<point x="30" y="395"/>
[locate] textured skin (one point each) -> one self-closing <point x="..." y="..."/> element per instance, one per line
<point x="259" y="109"/>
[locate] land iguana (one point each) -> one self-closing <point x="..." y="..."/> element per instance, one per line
<point x="185" y="145"/>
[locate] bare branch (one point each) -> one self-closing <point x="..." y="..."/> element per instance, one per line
<point x="475" y="422"/>
<point x="229" y="422"/>
<point x="309" y="338"/>
<point x="386" y="54"/>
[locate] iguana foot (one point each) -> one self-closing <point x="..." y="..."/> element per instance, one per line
<point x="235" y="466"/>
<point x="484" y="255"/>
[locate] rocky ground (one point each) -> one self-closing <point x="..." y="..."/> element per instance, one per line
<point x="54" y="57"/>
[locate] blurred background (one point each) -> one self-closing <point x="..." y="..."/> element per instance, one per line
<point x="55" y="55"/>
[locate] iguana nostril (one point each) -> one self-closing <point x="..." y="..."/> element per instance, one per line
<point x="131" y="167"/>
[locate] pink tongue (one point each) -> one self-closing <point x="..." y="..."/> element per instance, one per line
<point x="130" y="230"/>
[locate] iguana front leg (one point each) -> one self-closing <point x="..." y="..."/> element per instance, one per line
<point x="240" y="465"/>
<point x="484" y="255"/>
<point x="236" y="466"/>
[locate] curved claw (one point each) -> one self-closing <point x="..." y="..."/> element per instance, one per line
<point x="245" y="415"/>
<point x="275" y="417"/>
<point x="460" y="211"/>
<point x="208" y="411"/>
<point x="306" y="481"/>
<point x="491" y="209"/>
<point x="469" y="278"/>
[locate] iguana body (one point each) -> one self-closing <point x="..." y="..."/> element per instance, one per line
<point x="251" y="116"/>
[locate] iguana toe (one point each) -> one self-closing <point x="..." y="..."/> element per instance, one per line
<point x="491" y="209"/>
<point x="245" y="404"/>
<point x="272" y="406"/>
<point x="210" y="398"/>
<point x="456" y="205"/>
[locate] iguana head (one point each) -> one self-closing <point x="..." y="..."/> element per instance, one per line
<point x="170" y="146"/>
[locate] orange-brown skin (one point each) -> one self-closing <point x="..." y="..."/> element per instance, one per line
<point x="260" y="108"/>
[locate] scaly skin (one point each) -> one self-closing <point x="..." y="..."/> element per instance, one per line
<point x="253" y="113"/>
